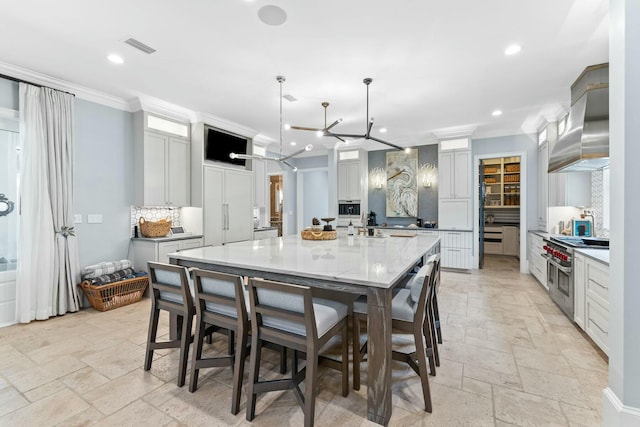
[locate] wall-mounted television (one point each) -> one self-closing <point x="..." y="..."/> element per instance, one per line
<point x="219" y="144"/>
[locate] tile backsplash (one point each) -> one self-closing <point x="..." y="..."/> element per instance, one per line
<point x="597" y="202"/>
<point x="155" y="214"/>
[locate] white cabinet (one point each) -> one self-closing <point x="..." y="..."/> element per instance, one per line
<point x="543" y="186"/>
<point x="456" y="249"/>
<point x="266" y="233"/>
<point x="510" y="244"/>
<point x="579" y="289"/>
<point x="454" y="170"/>
<point x="537" y="263"/>
<point x="228" y="201"/>
<point x="145" y="250"/>
<point x="349" y="187"/>
<point x="591" y="299"/>
<point x="455" y="207"/>
<point x="162" y="173"/>
<point x="570" y="189"/>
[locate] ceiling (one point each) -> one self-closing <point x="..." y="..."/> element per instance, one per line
<point x="438" y="67"/>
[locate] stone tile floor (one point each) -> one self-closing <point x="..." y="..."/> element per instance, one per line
<point x="509" y="358"/>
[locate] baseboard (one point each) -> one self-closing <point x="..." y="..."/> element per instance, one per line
<point x="615" y="414"/>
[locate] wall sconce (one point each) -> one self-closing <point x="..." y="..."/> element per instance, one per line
<point x="377" y="177"/>
<point x="427" y="175"/>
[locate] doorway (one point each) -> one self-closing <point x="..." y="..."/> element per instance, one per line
<point x="276" y="197"/>
<point x="500" y="187"/>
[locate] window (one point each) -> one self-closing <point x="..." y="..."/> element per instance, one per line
<point x="349" y="155"/>
<point x="168" y="126"/>
<point x="605" y="198"/>
<point x="454" y="144"/>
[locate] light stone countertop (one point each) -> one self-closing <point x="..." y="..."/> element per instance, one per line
<point x="360" y="260"/>
<point x="601" y="255"/>
<point x="181" y="236"/>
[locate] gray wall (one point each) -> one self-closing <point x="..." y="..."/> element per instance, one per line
<point x="103" y="180"/>
<point x="315" y="197"/>
<point x="513" y="143"/>
<point x="311" y="162"/>
<point x="427" y="197"/>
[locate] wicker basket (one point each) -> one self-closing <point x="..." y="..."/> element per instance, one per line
<point x="116" y="294"/>
<point x="318" y="235"/>
<point x="154" y="228"/>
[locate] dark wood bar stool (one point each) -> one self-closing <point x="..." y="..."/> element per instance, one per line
<point x="221" y="303"/>
<point x="170" y="291"/>
<point x="410" y="314"/>
<point x="287" y="315"/>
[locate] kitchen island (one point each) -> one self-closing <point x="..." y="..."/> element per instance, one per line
<point x="348" y="266"/>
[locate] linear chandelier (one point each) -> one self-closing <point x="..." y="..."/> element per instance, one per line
<point x="281" y="158"/>
<point x="326" y="131"/>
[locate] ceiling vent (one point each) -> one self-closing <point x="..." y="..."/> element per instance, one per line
<point x="290" y="98"/>
<point x="140" y="46"/>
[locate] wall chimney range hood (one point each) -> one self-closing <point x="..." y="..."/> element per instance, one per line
<point x="584" y="146"/>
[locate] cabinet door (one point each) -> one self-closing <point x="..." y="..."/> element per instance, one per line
<point x="213" y="206"/>
<point x="510" y="241"/>
<point x="462" y="172"/>
<point x="343" y="181"/>
<point x="543" y="186"/>
<point x="455" y="213"/>
<point x="570" y="189"/>
<point x="238" y="199"/>
<point x="178" y="172"/>
<point x="165" y="248"/>
<point x="445" y="176"/>
<point x="155" y="162"/>
<point x="190" y="243"/>
<point x="579" y="290"/>
<point x="353" y="171"/>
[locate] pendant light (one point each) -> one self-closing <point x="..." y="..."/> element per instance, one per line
<point x="282" y="158"/>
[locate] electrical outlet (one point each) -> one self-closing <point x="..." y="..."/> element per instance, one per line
<point x="94" y="219"/>
<point x="77" y="219"/>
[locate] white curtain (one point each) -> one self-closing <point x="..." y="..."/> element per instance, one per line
<point x="48" y="266"/>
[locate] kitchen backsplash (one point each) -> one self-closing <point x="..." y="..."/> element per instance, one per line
<point x="155" y="214"/>
<point x="597" y="200"/>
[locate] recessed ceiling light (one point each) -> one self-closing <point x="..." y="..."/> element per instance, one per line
<point x="496" y="113"/>
<point x="383" y="130"/>
<point x="116" y="59"/>
<point x="513" y="49"/>
<point x="292" y="143"/>
<point x="287" y="126"/>
<point x="272" y="15"/>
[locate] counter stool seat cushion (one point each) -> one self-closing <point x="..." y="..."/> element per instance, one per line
<point x="328" y="313"/>
<point x="402" y="305"/>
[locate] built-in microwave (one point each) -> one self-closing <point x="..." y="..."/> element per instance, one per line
<point x="349" y="208"/>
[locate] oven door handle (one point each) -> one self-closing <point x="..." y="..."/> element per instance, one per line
<point x="566" y="270"/>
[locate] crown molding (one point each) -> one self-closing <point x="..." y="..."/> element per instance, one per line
<point x="79" y="91"/>
<point x="226" y="125"/>
<point x="455" y="132"/>
<point x="163" y="108"/>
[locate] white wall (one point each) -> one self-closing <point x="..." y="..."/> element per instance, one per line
<point x="622" y="398"/>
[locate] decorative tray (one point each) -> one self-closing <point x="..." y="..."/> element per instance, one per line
<point x="318" y="235"/>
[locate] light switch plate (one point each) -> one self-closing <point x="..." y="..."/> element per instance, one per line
<point x="94" y="219"/>
<point x="77" y="219"/>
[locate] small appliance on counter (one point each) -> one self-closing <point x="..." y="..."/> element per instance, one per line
<point x="419" y="222"/>
<point x="371" y="219"/>
<point x="582" y="227"/>
<point x="430" y="224"/>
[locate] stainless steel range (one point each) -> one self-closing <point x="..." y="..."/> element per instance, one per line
<point x="559" y="255"/>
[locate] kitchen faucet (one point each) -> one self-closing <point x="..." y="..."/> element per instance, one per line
<point x="593" y="221"/>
